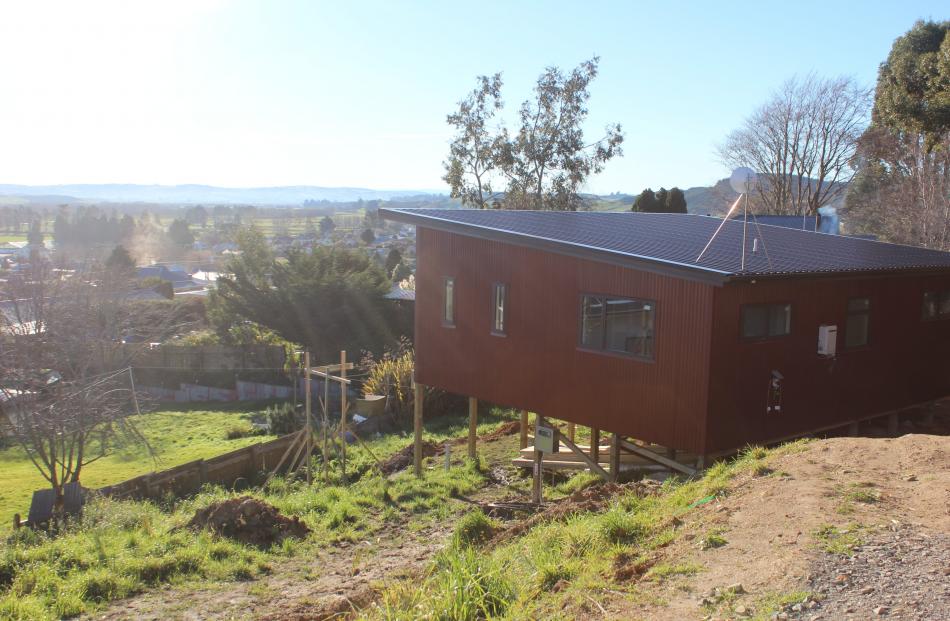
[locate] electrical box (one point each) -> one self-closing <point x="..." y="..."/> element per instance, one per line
<point x="545" y="439"/>
<point x="827" y="340"/>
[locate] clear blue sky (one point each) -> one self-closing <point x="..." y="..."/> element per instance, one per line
<point x="253" y="93"/>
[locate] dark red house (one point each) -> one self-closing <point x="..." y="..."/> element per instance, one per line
<point x="608" y="320"/>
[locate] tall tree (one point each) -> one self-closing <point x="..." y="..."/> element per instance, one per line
<point x="548" y="160"/>
<point x="327" y="225"/>
<point x="392" y="260"/>
<point x="902" y="189"/>
<point x="646" y="202"/>
<point x="180" y="233"/>
<point x="676" y="201"/>
<point x="662" y="196"/>
<point x="801" y="142"/>
<point x="473" y="154"/>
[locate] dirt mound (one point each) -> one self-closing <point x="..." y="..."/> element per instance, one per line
<point x="593" y="498"/>
<point x="827" y="494"/>
<point x="249" y="521"/>
<point x="504" y="431"/>
<point x="403" y="458"/>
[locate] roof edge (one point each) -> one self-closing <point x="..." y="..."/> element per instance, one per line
<point x="647" y="264"/>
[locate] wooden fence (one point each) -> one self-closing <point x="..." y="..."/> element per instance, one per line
<point x="246" y="463"/>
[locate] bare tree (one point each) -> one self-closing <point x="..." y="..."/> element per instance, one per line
<point x="802" y="142"/>
<point x="66" y="386"/>
<point x="548" y="160"/>
<point x="473" y="154"/>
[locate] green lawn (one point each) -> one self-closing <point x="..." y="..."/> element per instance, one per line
<point x="176" y="435"/>
<point x="4" y="238"/>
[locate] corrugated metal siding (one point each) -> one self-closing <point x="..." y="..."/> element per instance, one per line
<point x="906" y="361"/>
<point x="538" y="366"/>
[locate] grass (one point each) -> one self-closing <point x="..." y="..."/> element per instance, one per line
<point x="551" y="569"/>
<point x="177" y="435"/>
<point x="119" y="548"/>
<point x="11" y="238"/>
<point x="841" y="541"/>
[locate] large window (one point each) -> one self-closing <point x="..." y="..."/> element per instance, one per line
<point x="936" y="305"/>
<point x="859" y="318"/>
<point x="499" y="308"/>
<point x="618" y="325"/>
<point x="448" y="303"/>
<point x="762" y="321"/>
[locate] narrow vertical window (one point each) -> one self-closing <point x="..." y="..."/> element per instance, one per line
<point x="859" y="316"/>
<point x="448" y="303"/>
<point x="499" y="307"/>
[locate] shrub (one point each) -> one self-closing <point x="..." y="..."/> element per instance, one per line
<point x="283" y="419"/>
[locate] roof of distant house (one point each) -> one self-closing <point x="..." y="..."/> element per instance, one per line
<point x="671" y="243"/>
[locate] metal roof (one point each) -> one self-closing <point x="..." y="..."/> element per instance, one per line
<point x="670" y="243"/>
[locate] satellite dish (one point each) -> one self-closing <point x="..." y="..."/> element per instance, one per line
<point x="742" y="180"/>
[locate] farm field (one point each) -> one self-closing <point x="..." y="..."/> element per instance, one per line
<point x="176" y="436"/>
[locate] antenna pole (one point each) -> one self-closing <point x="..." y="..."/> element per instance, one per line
<point x="745" y="227"/>
<point x="719" y="228"/>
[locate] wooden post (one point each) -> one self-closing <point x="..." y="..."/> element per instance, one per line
<point x="571" y="430"/>
<point x="16" y="521"/>
<point x="595" y="445"/>
<point x="326" y="421"/>
<point x="418" y="392"/>
<point x="524" y="428"/>
<point x="342" y="413"/>
<point x="671" y="453"/>
<point x="309" y="425"/>
<point x="536" y="485"/>
<point x="854" y="429"/>
<point x="472" y="425"/>
<point x="614" y="457"/>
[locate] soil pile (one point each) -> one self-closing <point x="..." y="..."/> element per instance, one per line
<point x="248" y="520"/>
<point x="404" y="458"/>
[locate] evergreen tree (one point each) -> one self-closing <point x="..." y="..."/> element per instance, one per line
<point x="676" y="201"/>
<point x="646" y="202"/>
<point x="392" y="260"/>
<point x="661" y="197"/>
<point x="180" y="233"/>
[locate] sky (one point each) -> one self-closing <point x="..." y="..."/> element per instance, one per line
<point x="355" y="93"/>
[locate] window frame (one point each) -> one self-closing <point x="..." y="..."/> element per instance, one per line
<point x="768" y="337"/>
<point x="446" y="321"/>
<point x="937" y="316"/>
<point x="857" y="313"/>
<point x="603" y="350"/>
<point x="495" y="331"/>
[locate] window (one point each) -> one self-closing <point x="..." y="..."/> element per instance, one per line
<point x="618" y="325"/>
<point x="762" y="321"/>
<point x="499" y="308"/>
<point x="859" y="317"/>
<point x="936" y="305"/>
<point x="448" y="303"/>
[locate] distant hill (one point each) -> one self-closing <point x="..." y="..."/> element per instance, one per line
<point x="185" y="194"/>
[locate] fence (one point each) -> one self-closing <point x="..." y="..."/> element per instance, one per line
<point x="209" y="357"/>
<point x="243" y="391"/>
<point x="246" y="463"/>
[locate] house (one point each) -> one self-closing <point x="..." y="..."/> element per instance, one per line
<point x="608" y="320"/>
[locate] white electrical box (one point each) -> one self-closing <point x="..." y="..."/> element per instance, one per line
<point x="545" y="439"/>
<point x="827" y="340"/>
